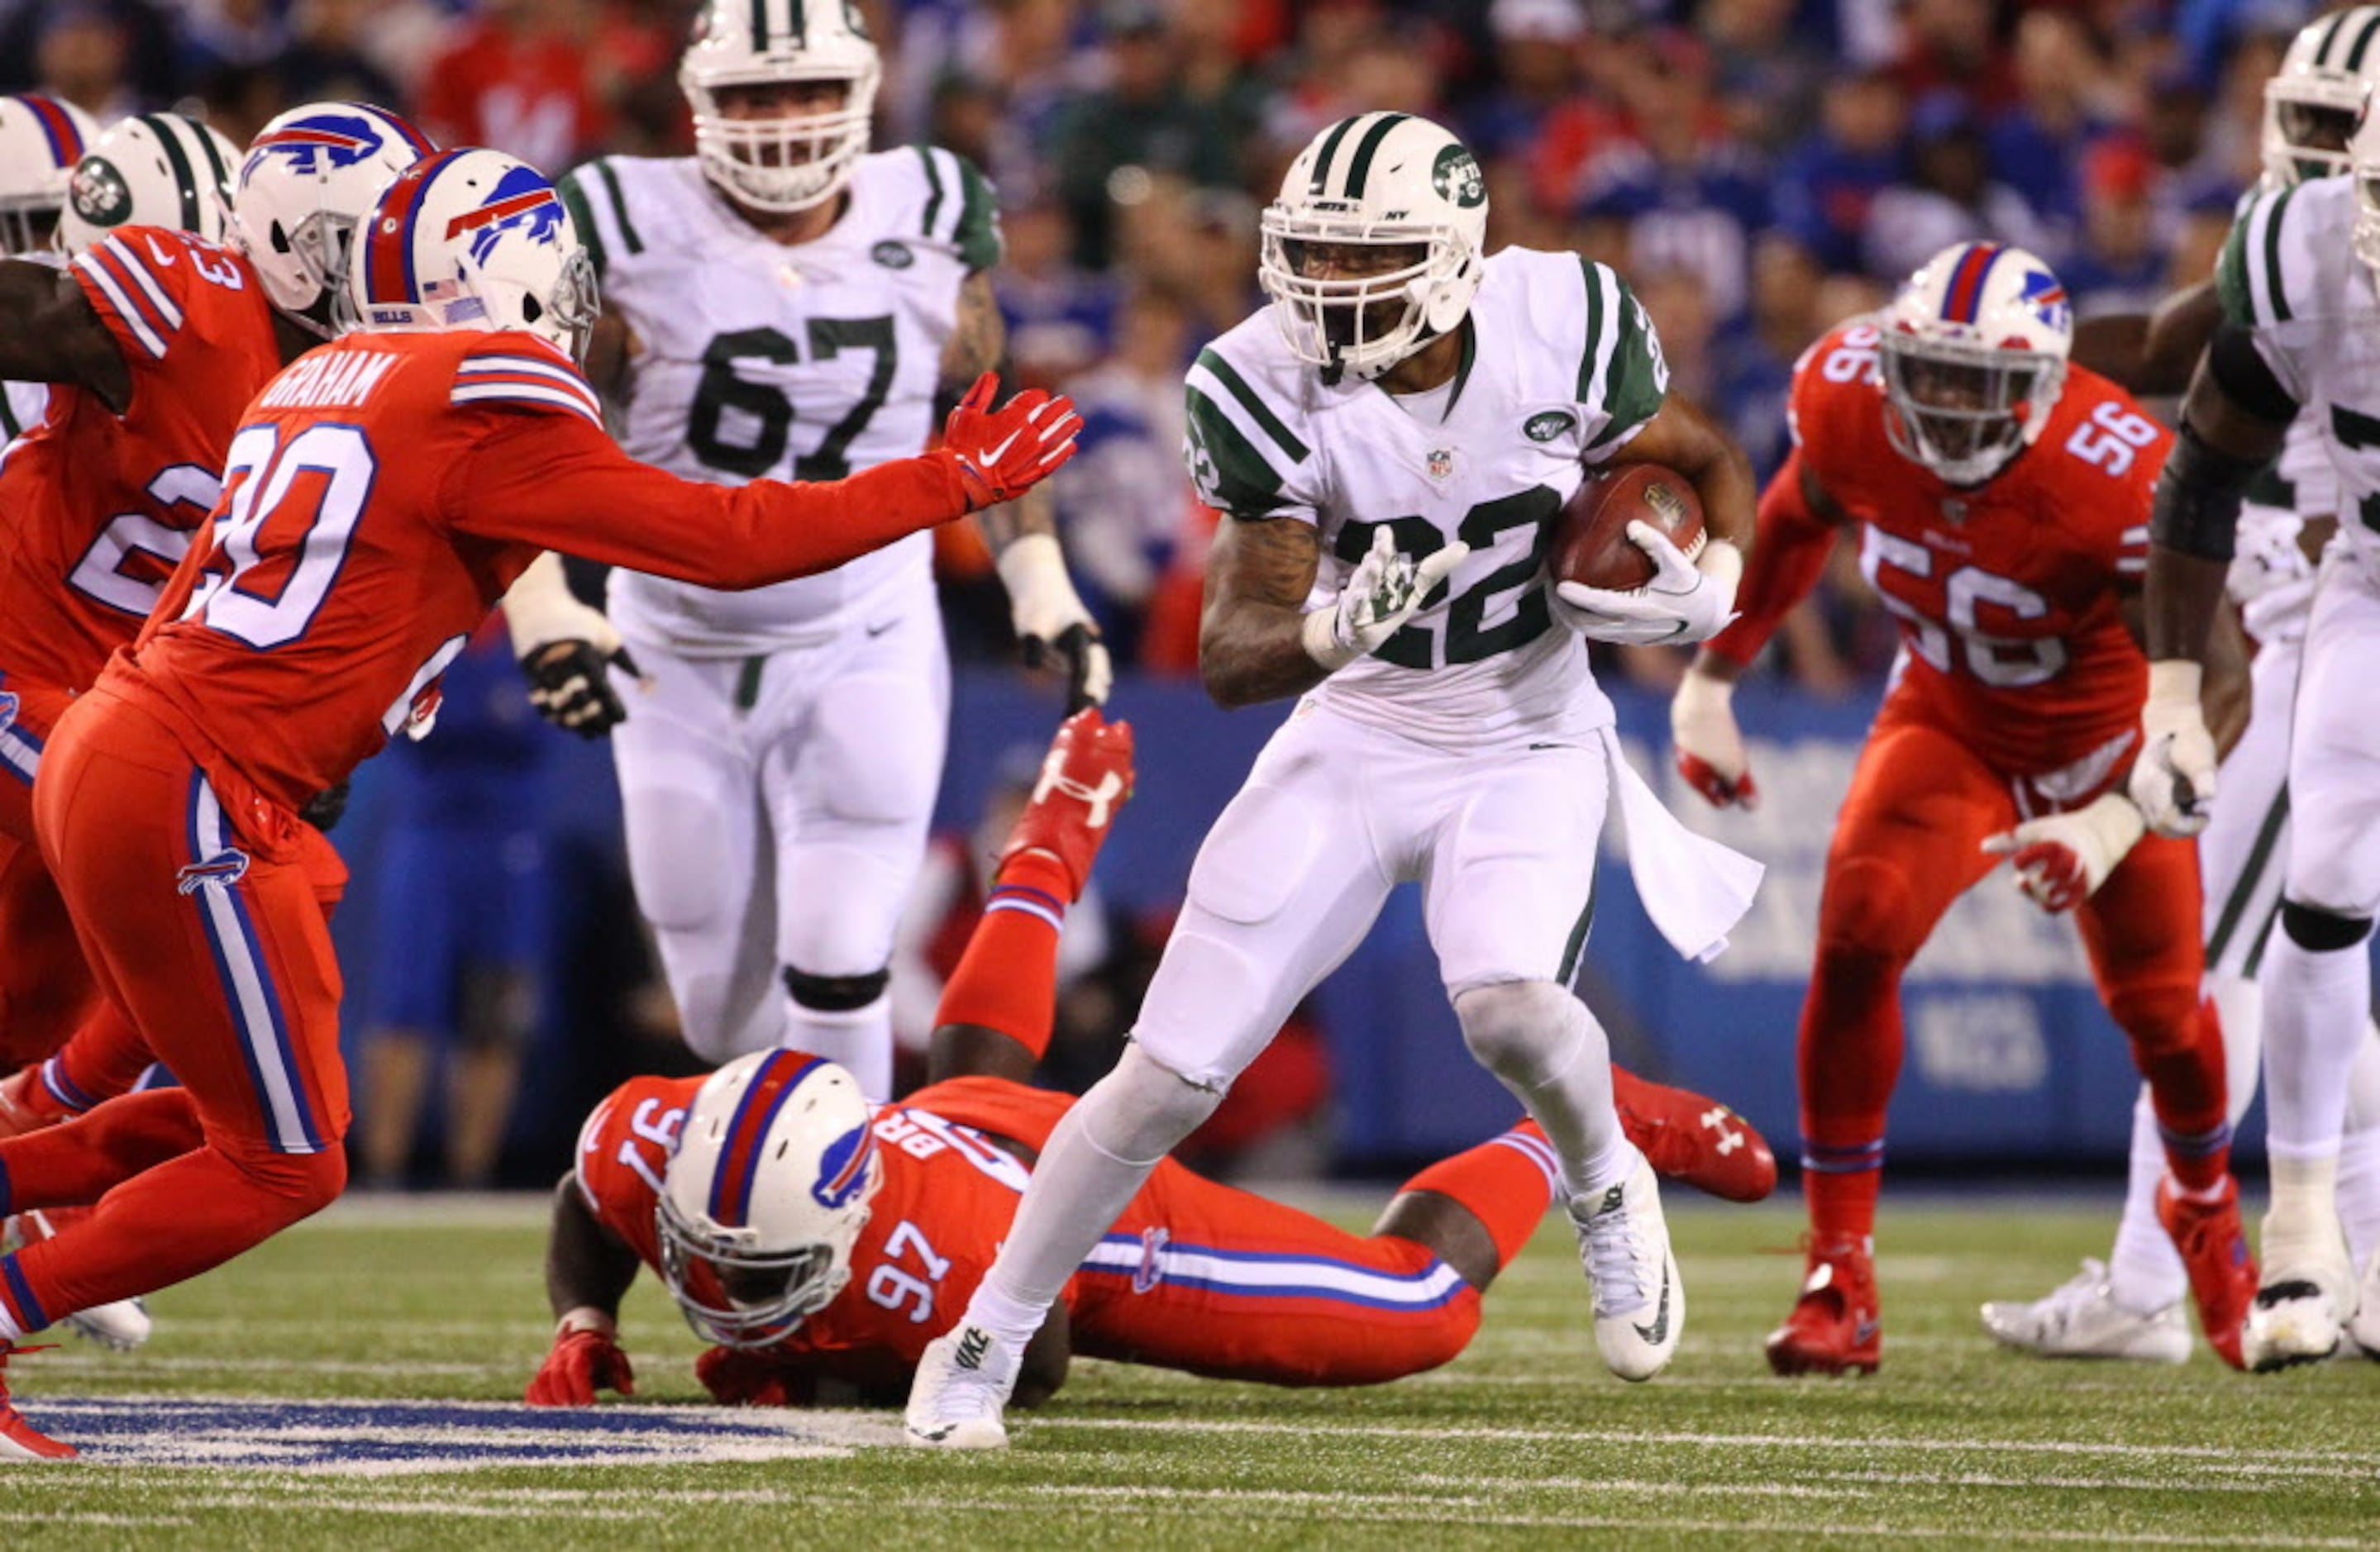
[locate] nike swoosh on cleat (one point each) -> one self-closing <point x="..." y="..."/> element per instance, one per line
<point x="1658" y="1331"/>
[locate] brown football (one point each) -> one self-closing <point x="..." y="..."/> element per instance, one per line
<point x="1591" y="544"/>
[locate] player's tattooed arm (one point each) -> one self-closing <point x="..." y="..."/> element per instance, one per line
<point x="1683" y="438"/>
<point x="1251" y="629"/>
<point x="49" y="332"/>
<point x="586" y="1266"/>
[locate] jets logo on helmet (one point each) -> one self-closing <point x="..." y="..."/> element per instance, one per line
<point x="1374" y="246"/>
<point x="745" y="54"/>
<point x="307" y="178"/>
<point x="2315" y="102"/>
<point x="154" y="170"/>
<point x="1971" y="357"/>
<point x="766" y="1195"/>
<point x="474" y="240"/>
<point x="40" y="140"/>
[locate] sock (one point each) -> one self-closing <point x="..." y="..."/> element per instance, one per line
<point x="76" y="1164"/>
<point x="2144" y="1272"/>
<point x="1507" y="1183"/>
<point x="2316" y="1007"/>
<point x="105" y="1058"/>
<point x="1841" y="1198"/>
<point x="1850" y="1043"/>
<point x="857" y="1039"/>
<point x="1007" y="980"/>
<point x="182" y="1218"/>
<point x="2180" y="1054"/>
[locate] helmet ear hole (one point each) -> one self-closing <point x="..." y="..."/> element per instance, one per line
<point x="532" y="309"/>
<point x="280" y="238"/>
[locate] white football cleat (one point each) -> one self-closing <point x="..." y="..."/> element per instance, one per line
<point x="962" y="1387"/>
<point x="2082" y="1319"/>
<point x="2308" y="1293"/>
<point x="1640" y="1304"/>
<point x="2364" y="1330"/>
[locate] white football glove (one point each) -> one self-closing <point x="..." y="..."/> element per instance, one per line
<point x="2173" y="780"/>
<point x="1709" y="745"/>
<point x="1386" y="592"/>
<point x="1689" y="600"/>
<point x="2062" y="860"/>
<point x="1052" y="624"/>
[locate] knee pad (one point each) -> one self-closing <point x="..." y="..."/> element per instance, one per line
<point x="1866" y="911"/>
<point x="1527" y="1033"/>
<point x="2319" y="931"/>
<point x="835" y="994"/>
<point x="1139" y="1112"/>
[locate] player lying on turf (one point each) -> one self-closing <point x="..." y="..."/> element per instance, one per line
<point x="382" y="495"/>
<point x="820" y="1244"/>
<point x="2002" y="507"/>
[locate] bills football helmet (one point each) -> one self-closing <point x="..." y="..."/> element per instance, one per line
<point x="792" y="163"/>
<point x="2315" y="102"/>
<point x="40" y="140"/>
<point x="157" y="169"/>
<point x="1392" y="183"/>
<point x="1973" y="358"/>
<point x="765" y="1196"/>
<point x="306" y="179"/>
<point x="473" y="239"/>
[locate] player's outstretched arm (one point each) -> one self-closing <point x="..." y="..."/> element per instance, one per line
<point x="2151" y="354"/>
<point x="49" y="332"/>
<point x="588" y="1270"/>
<point x="566" y="649"/>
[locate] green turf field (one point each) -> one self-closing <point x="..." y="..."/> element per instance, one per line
<point x="1524" y="1440"/>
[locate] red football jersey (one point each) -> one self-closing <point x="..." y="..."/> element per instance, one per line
<point x="99" y="507"/>
<point x="2007" y="595"/>
<point x="381" y="493"/>
<point x="933" y="1228"/>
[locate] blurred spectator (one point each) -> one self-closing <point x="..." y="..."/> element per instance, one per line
<point x="328" y="59"/>
<point x="1825" y="184"/>
<point x="1060" y="316"/>
<point x="2036" y="142"/>
<point x="534" y="78"/>
<point x="228" y="34"/>
<point x="1951" y="45"/>
<point x="1950" y="197"/>
<point x="462" y="903"/>
<point x="1536" y="44"/>
<point x="1766" y="73"/>
<point x="1197" y="244"/>
<point x="2118" y="267"/>
<point x="109" y="60"/>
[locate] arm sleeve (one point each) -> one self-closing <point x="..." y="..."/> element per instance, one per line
<point x="555" y="480"/>
<point x="1790" y="549"/>
<point x="141" y="302"/>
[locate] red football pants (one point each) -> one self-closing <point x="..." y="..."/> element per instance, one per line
<point x="197" y="912"/>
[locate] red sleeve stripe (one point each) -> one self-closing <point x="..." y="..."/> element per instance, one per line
<point x="524" y="394"/>
<point x="118" y="294"/>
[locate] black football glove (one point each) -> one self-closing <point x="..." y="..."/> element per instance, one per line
<point x="571" y="687"/>
<point x="1090" y="674"/>
<point x="325" y="808"/>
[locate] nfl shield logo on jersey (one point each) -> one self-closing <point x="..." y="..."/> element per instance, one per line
<point x="1442" y="462"/>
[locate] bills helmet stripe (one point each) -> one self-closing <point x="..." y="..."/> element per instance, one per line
<point x="1964" y="295"/>
<point x="388" y="255"/>
<point x="748" y="1128"/>
<point x="66" y="140"/>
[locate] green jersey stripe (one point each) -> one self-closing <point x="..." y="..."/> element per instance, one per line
<point x="1361" y="167"/>
<point x="1598" y="337"/>
<point x="934" y="185"/>
<point x="1233" y="382"/>
<point x="574" y="200"/>
<point x="1574" y="950"/>
<point x="1242" y="480"/>
<point x="619" y="201"/>
<point x="2268" y="835"/>
<point x="9" y="429"/>
<point x="977" y="235"/>
<point x="2231" y="285"/>
<point x="2273" y="271"/>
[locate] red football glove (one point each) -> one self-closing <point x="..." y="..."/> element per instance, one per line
<point x="738" y="1376"/>
<point x="582" y="1362"/>
<point x="1004" y="453"/>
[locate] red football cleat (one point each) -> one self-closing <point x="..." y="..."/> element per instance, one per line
<point x="1085" y="781"/>
<point x="1687" y="1137"/>
<point x="19" y="1439"/>
<point x="26" y="1104"/>
<point x="2214" y="1249"/>
<point x="1834" y="1327"/>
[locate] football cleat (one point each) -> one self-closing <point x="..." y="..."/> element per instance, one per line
<point x="2082" y="1319"/>
<point x="1694" y="1139"/>
<point x="1083" y="784"/>
<point x="121" y="1324"/>
<point x="1640" y="1303"/>
<point x="27" y="1104"/>
<point x="2308" y="1293"/>
<point x="1836" y="1326"/>
<point x="19" y="1440"/>
<point x="2364" y="1330"/>
<point x="962" y="1387"/>
<point x="2215" y="1253"/>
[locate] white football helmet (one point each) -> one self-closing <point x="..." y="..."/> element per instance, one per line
<point x="473" y="239"/>
<point x="780" y="164"/>
<point x="1389" y="180"/>
<point x="306" y="179"/>
<point x="2315" y="102"/>
<point x="40" y="140"/>
<point x="157" y="169"/>
<point x="1973" y="358"/>
<point x="765" y="1196"/>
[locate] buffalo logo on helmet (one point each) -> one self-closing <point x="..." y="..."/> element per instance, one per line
<point x="523" y="203"/>
<point x="312" y="146"/>
<point x="842" y="1168"/>
<point x="2046" y="296"/>
<point x="100" y="194"/>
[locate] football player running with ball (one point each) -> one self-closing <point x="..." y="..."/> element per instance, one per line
<point x="786" y="303"/>
<point x="2001" y="501"/>
<point x="380" y="495"/>
<point x="1396" y="437"/>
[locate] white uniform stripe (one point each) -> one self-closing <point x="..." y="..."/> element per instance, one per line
<point x="1030" y="907"/>
<point x="18" y="754"/>
<point x="1247" y="425"/>
<point x="1607" y="337"/>
<point x="1285" y="1275"/>
<point x="953" y="207"/>
<point x="149" y="339"/>
<point x="147" y="282"/>
<point x="467" y="377"/>
<point x="1537" y="1153"/>
<point x="477" y="365"/>
<point x="525" y="392"/>
<point x="2260" y="292"/>
<point x="251" y="1007"/>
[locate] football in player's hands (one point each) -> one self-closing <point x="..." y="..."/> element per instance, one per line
<point x="1591" y="544"/>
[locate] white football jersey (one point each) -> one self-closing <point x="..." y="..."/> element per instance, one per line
<point x="1559" y="367"/>
<point x="2290" y="274"/>
<point x="754" y="359"/>
<point x="2271" y="579"/>
<point x="23" y="405"/>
